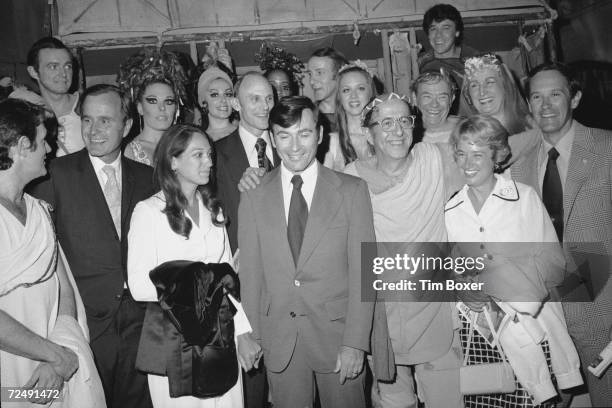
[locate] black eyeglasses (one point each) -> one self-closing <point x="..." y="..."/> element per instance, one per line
<point x="388" y="124"/>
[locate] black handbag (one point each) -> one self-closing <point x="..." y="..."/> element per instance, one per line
<point x="193" y="296"/>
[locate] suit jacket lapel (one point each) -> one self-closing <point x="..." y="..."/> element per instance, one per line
<point x="581" y="162"/>
<point x="92" y="190"/>
<point x="273" y="213"/>
<point x="127" y="188"/>
<point x="325" y="204"/>
<point x="236" y="157"/>
<point x="526" y="170"/>
<point x="275" y="156"/>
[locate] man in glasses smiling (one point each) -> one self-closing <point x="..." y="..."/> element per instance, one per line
<point x="407" y="186"/>
<point x="388" y="124"/>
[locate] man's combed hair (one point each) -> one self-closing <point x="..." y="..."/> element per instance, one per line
<point x="101" y="89"/>
<point x="337" y="57"/>
<point x="441" y="12"/>
<point x="433" y="77"/>
<point x="288" y="111"/>
<point x="17" y="119"/>
<point x="567" y="72"/>
<point x="42" y="44"/>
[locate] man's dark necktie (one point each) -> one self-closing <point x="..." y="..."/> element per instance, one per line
<point x="552" y="192"/>
<point x="262" y="159"/>
<point x="298" y="215"/>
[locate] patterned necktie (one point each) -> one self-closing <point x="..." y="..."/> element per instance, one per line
<point x="552" y="192"/>
<point x="298" y="216"/>
<point x="262" y="159"/>
<point x="113" y="196"/>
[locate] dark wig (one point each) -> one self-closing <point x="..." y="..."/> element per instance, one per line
<point x="173" y="143"/>
<point x="17" y="118"/>
<point x="151" y="66"/>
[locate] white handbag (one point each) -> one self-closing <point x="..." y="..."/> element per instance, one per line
<point x="488" y="378"/>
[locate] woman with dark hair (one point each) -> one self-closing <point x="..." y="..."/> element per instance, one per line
<point x="156" y="82"/>
<point x="281" y="68"/>
<point x="281" y="82"/>
<point x="184" y="221"/>
<point x="355" y="89"/>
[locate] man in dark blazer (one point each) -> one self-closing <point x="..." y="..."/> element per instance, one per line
<point x="238" y="151"/>
<point x="92" y="230"/>
<point x="300" y="236"/>
<point x="581" y="209"/>
<point x="236" y="154"/>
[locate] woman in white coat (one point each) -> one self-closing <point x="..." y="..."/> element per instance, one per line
<point x="523" y="260"/>
<point x="184" y="221"/>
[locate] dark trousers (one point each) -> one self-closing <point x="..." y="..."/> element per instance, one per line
<point x="115" y="355"/>
<point x="255" y="387"/>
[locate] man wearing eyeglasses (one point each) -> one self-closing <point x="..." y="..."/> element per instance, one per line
<point x="407" y="188"/>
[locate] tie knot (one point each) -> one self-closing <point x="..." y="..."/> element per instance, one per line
<point x="553" y="154"/>
<point x="297" y="181"/>
<point x="260" y="145"/>
<point x="109" y="171"/>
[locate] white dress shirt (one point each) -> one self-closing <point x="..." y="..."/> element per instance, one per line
<point x="564" y="147"/>
<point x="248" y="142"/>
<point x="98" y="164"/>
<point x="309" y="177"/>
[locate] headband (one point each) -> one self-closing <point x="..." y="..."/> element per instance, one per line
<point x="377" y="101"/>
<point x="354" y="64"/>
<point x="475" y="64"/>
<point x="208" y="76"/>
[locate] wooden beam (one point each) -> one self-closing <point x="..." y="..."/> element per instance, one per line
<point x="193" y="51"/>
<point x="413" y="53"/>
<point x="287" y="30"/>
<point x="384" y="40"/>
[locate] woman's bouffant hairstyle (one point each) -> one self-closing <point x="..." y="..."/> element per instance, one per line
<point x="348" y="152"/>
<point x="515" y="115"/>
<point x="172" y="144"/>
<point x="484" y="130"/>
<point x="152" y="66"/>
<point x="17" y="119"/>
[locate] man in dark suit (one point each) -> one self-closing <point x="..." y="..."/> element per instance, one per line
<point x="246" y="150"/>
<point x="571" y="168"/>
<point x="248" y="147"/>
<point x="93" y="193"/>
<point x="300" y="236"/>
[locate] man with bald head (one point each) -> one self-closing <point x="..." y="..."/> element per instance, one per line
<point x="247" y="147"/>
